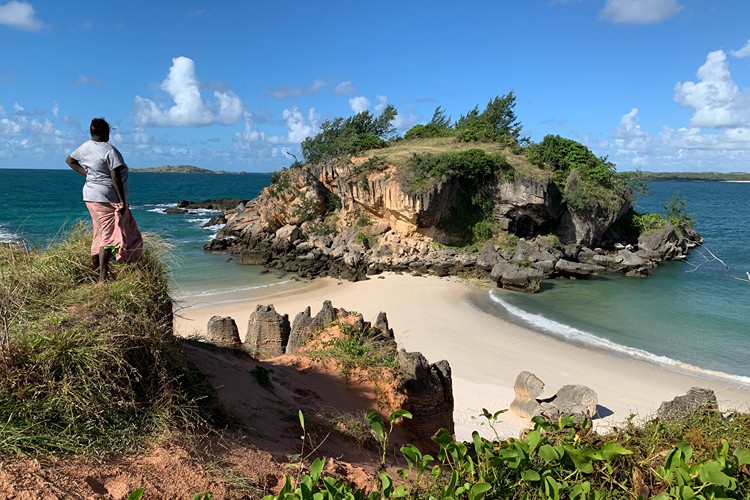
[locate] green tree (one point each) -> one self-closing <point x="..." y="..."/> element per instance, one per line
<point x="583" y="177"/>
<point x="497" y="123"/>
<point x="340" y="137"/>
<point x="439" y="126"/>
<point x="566" y="155"/>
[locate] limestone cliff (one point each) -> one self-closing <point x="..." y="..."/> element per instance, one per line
<point x="347" y="218"/>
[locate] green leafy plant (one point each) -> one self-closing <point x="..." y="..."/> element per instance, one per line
<point x="306" y="207"/>
<point x="379" y="430"/>
<point x="280" y="182"/>
<point x="646" y="223"/>
<point x="676" y="212"/>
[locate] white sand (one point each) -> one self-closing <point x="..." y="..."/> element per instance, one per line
<point x="435" y="316"/>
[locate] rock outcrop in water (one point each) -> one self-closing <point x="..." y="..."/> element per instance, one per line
<point x="334" y="220"/>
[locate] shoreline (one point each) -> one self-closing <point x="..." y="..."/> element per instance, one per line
<point x="448" y="318"/>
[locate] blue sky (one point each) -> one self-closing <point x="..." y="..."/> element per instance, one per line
<point x="658" y="85"/>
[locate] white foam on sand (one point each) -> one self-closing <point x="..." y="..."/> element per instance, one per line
<point x="538" y="321"/>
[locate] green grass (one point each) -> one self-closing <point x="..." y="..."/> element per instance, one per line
<point x="89" y="368"/>
<point x="357" y="349"/>
<point x="400" y="152"/>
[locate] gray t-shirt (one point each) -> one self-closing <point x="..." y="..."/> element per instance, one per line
<point x="99" y="158"/>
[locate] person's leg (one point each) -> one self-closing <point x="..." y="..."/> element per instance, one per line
<point x="103" y="221"/>
<point x="103" y="264"/>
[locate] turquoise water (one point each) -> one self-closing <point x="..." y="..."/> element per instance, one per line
<point x="696" y="318"/>
<point x="38" y="206"/>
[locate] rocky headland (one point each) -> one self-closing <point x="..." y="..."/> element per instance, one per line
<point x="359" y="216"/>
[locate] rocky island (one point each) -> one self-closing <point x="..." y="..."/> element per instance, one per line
<point x="181" y="169"/>
<point x="471" y="198"/>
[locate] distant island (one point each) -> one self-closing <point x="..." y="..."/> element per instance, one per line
<point x="695" y="176"/>
<point x="182" y="169"/>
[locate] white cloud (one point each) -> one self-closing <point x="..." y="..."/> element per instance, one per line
<point x="638" y="11"/>
<point x="84" y="80"/>
<point x="189" y="109"/>
<point x="345" y="87"/>
<point x="22" y="131"/>
<point x="249" y="134"/>
<point x="20" y="15"/>
<point x="55" y="109"/>
<point x="629" y="135"/>
<point x="299" y="128"/>
<point x="294" y="92"/>
<point x="716" y="100"/>
<point x="404" y="122"/>
<point x="359" y="104"/>
<point x="677" y="149"/>
<point x="382" y="103"/>
<point x="743" y="52"/>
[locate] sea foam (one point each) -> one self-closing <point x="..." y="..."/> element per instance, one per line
<point x="540" y="323"/>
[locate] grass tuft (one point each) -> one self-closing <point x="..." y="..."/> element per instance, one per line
<point x="89" y="368"/>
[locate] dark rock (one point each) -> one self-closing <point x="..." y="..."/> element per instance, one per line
<point x="253" y="257"/>
<point x="304" y="325"/>
<point x="488" y="257"/>
<point x="223" y="331"/>
<point x="515" y="277"/>
<point x="300" y="331"/>
<point x="381" y="326"/>
<point x="567" y="267"/>
<point x="267" y="333"/>
<point x="215" y="221"/>
<point x="327" y="314"/>
<point x="429" y="394"/>
<point x="697" y="399"/>
<point x="219" y="204"/>
<point x="668" y="242"/>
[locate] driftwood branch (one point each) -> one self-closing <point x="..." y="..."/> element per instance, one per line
<point x="714" y="258"/>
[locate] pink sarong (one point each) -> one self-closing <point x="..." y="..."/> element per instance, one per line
<point x="114" y="231"/>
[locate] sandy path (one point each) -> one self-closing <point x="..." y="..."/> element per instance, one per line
<point x="436" y="316"/>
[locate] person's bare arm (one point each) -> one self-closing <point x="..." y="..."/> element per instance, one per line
<point x="117" y="181"/>
<point x="73" y="163"/>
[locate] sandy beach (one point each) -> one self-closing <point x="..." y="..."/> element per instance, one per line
<point x="443" y="319"/>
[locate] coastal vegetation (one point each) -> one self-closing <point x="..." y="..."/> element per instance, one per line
<point x="94" y="370"/>
<point x="475" y="150"/>
<point x="699" y="457"/>
<point x="89" y="369"/>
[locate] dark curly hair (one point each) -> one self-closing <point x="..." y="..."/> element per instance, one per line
<point x="99" y="128"/>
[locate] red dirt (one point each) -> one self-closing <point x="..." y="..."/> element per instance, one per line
<point x="236" y="464"/>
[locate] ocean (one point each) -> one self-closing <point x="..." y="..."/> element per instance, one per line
<point x="690" y="314"/>
<point x="40" y="206"/>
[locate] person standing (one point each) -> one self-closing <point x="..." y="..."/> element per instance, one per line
<point x="105" y="194"/>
